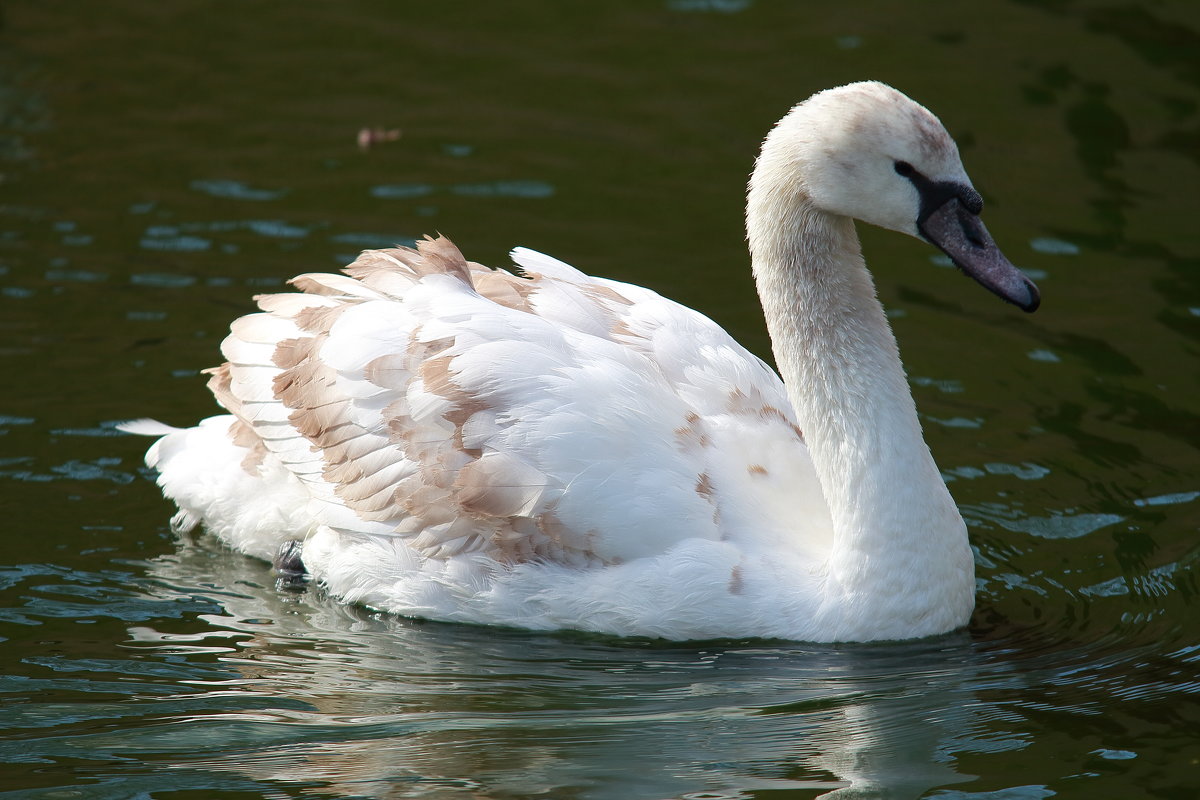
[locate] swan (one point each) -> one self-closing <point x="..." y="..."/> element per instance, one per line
<point x="430" y="437"/>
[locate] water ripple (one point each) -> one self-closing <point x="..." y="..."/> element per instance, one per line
<point x="235" y="190"/>
<point x="301" y="690"/>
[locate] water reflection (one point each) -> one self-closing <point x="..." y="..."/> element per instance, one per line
<point x="294" y="689"/>
<point x="364" y="705"/>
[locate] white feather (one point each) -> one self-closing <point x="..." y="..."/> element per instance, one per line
<point x="541" y="264"/>
<point x="146" y="427"/>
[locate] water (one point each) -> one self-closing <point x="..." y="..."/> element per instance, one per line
<point x="160" y="163"/>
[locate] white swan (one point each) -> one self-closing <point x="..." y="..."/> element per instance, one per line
<point x="560" y="451"/>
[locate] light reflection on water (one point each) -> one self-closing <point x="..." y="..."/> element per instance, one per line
<point x="222" y="673"/>
<point x="132" y="231"/>
<point x="300" y="689"/>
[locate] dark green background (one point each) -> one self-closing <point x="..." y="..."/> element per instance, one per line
<point x="160" y="162"/>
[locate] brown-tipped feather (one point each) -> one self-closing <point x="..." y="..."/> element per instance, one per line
<point x="378" y="268"/>
<point x="418" y="476"/>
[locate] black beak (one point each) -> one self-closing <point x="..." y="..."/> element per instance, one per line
<point x="960" y="234"/>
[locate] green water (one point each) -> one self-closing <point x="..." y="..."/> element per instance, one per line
<point x="162" y="162"/>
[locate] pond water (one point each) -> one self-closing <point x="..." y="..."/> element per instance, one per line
<point x="162" y="162"/>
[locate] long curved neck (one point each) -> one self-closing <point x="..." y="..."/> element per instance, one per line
<point x="896" y="528"/>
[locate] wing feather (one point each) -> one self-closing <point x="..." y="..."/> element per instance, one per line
<point x="463" y="409"/>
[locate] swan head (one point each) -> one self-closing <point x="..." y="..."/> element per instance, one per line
<point x="867" y="151"/>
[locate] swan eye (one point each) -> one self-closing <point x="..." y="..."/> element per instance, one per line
<point x="904" y="168"/>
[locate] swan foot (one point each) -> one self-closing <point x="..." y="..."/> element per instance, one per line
<point x="290" y="574"/>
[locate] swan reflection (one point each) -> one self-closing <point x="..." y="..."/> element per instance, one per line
<point x="321" y="694"/>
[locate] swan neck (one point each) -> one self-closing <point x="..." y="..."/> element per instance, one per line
<point x="832" y="343"/>
<point x="836" y="353"/>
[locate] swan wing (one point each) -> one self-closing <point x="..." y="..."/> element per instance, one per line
<point x="550" y="417"/>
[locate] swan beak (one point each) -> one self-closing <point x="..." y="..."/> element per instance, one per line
<point x="961" y="235"/>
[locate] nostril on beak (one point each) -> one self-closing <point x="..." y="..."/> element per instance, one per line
<point x="970" y="228"/>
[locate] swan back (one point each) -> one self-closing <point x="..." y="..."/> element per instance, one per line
<point x="553" y="417"/>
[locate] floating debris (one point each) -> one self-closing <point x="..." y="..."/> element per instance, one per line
<point x="369" y="137"/>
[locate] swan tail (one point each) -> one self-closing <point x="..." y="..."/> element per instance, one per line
<point x="146" y="427"/>
<point x="206" y="473"/>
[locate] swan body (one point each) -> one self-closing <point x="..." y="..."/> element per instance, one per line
<point x="552" y="450"/>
